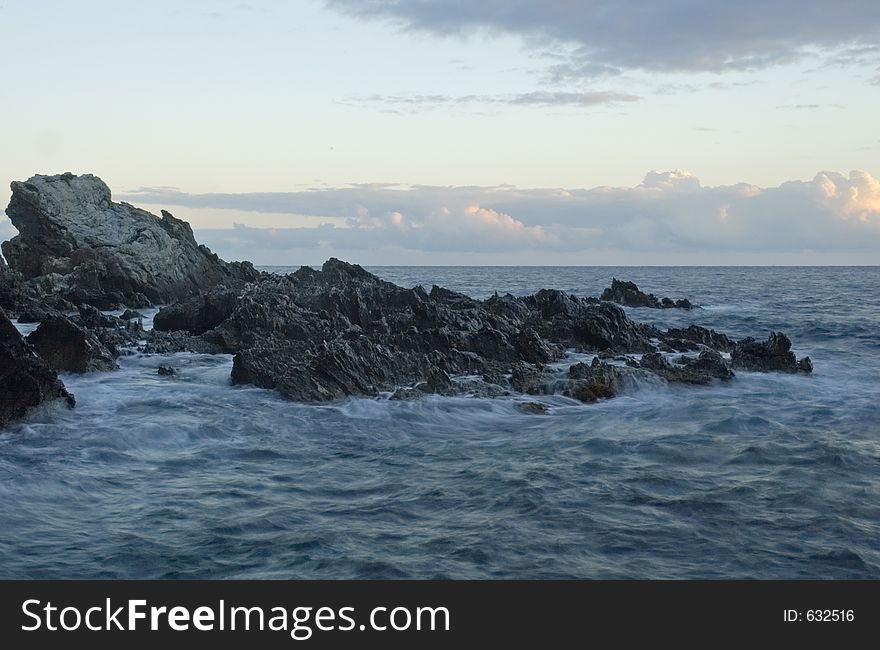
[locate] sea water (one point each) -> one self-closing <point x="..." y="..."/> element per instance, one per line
<point x="766" y="476"/>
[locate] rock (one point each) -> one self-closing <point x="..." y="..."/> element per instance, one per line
<point x="11" y="292"/>
<point x="68" y="347"/>
<point x="772" y="355"/>
<point x="166" y="371"/>
<point x="157" y="342"/>
<point x="694" y="336"/>
<point x="130" y="314"/>
<point x="702" y="370"/>
<point x="709" y="363"/>
<point x="533" y="408"/>
<point x="593" y="382"/>
<point x="26" y="380"/>
<point x="438" y="382"/>
<point x="93" y="318"/>
<point x="89" y="249"/>
<point x="199" y="314"/>
<point x="527" y="379"/>
<point x="627" y="293"/>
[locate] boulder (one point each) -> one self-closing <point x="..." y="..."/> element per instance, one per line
<point x="26" y="380"/>
<point x="198" y="314"/>
<point x="772" y="355"/>
<point x="67" y="347"/>
<point x="91" y="250"/>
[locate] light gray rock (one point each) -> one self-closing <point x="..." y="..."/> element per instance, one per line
<point x="89" y="249"/>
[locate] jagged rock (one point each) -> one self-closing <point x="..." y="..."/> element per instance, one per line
<point x="67" y="347"/>
<point x="88" y="249"/>
<point x="166" y="371"/>
<point x="627" y="293"/>
<point x="707" y="366"/>
<point x="593" y="382"/>
<point x="527" y="379"/>
<point x="694" y="336"/>
<point x="772" y="355"/>
<point x="26" y="380"/>
<point x="198" y="314"/>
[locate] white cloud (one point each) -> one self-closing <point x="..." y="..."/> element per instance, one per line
<point x="669" y="213"/>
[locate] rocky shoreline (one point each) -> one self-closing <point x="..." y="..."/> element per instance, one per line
<point x="313" y="335"/>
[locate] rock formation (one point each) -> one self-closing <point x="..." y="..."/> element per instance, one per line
<point x="26" y="380"/>
<point x="76" y="245"/>
<point x="314" y="335"/>
<point x="68" y="347"/>
<point x="627" y="293"/>
<point x="772" y="355"/>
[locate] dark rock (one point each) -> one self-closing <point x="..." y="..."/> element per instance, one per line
<point x="709" y="363"/>
<point x="157" y="342"/>
<point x="438" y="382"/>
<point x="199" y="314"/>
<point x="166" y="371"/>
<point x="26" y="380"/>
<point x="593" y="382"/>
<point x="93" y="318"/>
<point x="772" y="355"/>
<point x="692" y="337"/>
<point x="68" y="347"/>
<point x="130" y="314"/>
<point x="702" y="370"/>
<point x="627" y="293"/>
<point x="527" y="379"/>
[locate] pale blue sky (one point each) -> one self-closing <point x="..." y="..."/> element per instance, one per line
<point x="245" y="98"/>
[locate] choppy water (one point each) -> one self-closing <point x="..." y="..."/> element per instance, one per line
<point x="769" y="476"/>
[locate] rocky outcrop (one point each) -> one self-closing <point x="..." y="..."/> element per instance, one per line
<point x="703" y="369"/>
<point x="78" y="245"/>
<point x="67" y="347"/>
<point x="198" y="314"/>
<point x="26" y="380"/>
<point x="772" y="355"/>
<point x="627" y="293"/>
<point x="322" y="335"/>
<point x="694" y="338"/>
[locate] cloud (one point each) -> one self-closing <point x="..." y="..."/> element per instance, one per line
<point x="670" y="213"/>
<point x="536" y="99"/>
<point x="604" y="37"/>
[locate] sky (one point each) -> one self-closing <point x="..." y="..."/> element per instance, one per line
<point x="457" y="132"/>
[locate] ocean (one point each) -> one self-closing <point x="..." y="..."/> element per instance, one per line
<point x="767" y="476"/>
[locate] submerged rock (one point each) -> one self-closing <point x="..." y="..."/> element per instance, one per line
<point x="85" y="248"/>
<point x="627" y="293"/>
<point x="67" y="347"/>
<point x="772" y="355"/>
<point x="26" y="380"/>
<point x="166" y="371"/>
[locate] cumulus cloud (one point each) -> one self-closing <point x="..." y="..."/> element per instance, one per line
<point x="605" y="36"/>
<point x="669" y="212"/>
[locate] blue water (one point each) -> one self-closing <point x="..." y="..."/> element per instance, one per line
<point x="769" y="476"/>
